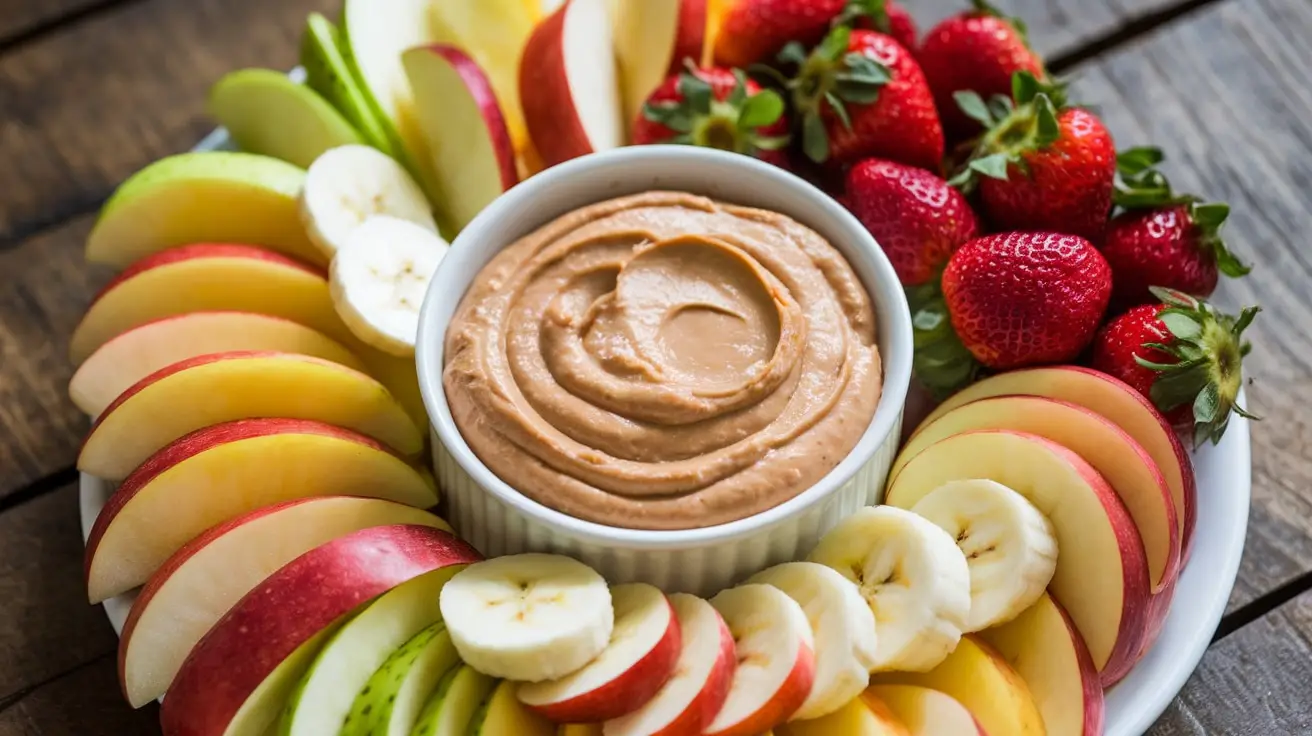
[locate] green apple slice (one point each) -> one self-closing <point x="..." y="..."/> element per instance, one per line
<point x="204" y="197"/>
<point x="267" y="113"/>
<point x="328" y="72"/>
<point x="390" y="702"/>
<point x="325" y="695"/>
<point x="451" y="709"/>
<point x="504" y="715"/>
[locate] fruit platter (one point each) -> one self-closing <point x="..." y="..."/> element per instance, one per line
<point x="663" y="368"/>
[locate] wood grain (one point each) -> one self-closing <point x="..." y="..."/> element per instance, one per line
<point x="1252" y="683"/>
<point x="85" y="702"/>
<point x="19" y="18"/>
<point x="1225" y="95"/>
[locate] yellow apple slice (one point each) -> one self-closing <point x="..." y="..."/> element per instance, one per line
<point x="1113" y="453"/>
<point x="504" y="715"/>
<point x="141" y="351"/>
<point x="209" y="197"/>
<point x="206" y="277"/>
<point x="1046" y="650"/>
<point x="1102" y="574"/>
<point x="653" y="38"/>
<point x="211" y="389"/>
<point x="203" y="580"/>
<point x="862" y="716"/>
<point x="979" y="678"/>
<point x="223" y="471"/>
<point x="580" y="729"/>
<point x="925" y="712"/>
<point x="239" y="677"/>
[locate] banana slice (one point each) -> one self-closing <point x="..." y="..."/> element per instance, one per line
<point x="1009" y="546"/>
<point x="378" y="280"/>
<point x="844" y="629"/>
<point x="530" y="617"/>
<point x="914" y="577"/>
<point x="348" y="184"/>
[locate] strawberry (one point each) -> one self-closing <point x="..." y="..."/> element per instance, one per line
<point x="977" y="51"/>
<point x="1041" y="166"/>
<point x="1018" y="299"/>
<point x="917" y="218"/>
<point x="715" y="108"/>
<point x="885" y="16"/>
<point x="1162" y="239"/>
<point x="753" y="31"/>
<point x="1184" y="355"/>
<point x="861" y="94"/>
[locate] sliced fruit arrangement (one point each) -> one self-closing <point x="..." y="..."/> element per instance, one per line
<point x="267" y="113"/>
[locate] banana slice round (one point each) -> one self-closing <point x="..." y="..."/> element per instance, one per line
<point x="1009" y="546"/>
<point x="378" y="280"/>
<point x="349" y="184"/>
<point x="844" y="630"/>
<point x="530" y="617"/>
<point x="913" y="576"/>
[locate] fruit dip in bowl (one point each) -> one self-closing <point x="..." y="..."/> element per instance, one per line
<point x="676" y="364"/>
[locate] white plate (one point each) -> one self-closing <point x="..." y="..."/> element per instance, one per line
<point x="1224" y="487"/>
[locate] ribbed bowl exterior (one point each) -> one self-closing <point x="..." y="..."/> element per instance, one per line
<point x="497" y="528"/>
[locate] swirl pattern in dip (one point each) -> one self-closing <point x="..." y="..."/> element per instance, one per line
<point x="664" y="361"/>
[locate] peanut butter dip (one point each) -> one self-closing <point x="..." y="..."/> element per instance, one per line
<point x="664" y="361"/>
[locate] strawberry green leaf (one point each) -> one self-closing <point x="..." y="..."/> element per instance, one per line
<point x="859" y="93"/>
<point x="771" y="142"/>
<point x="864" y="70"/>
<point x="835" y="44"/>
<point x="1228" y="264"/>
<point x="697" y="92"/>
<point x="1210" y="216"/>
<point x="874" y="10"/>
<point x="836" y="104"/>
<point x="1024" y="87"/>
<point x="792" y="53"/>
<point x="761" y="109"/>
<point x="1207" y="404"/>
<point x="993" y="166"/>
<point x="815" y="139"/>
<point x="1245" y="319"/>
<point x="1174" y="298"/>
<point x="670" y="114"/>
<point x="1181" y="325"/>
<point x="974" y="107"/>
<point x="1049" y="130"/>
<point x="1001" y="106"/>
<point x="1133" y="161"/>
<point x="738" y="95"/>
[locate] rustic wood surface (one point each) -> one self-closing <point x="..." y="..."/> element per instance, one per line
<point x="91" y="90"/>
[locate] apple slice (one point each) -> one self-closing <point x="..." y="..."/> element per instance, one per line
<point x="861" y="716"/>
<point x="343" y="668"/>
<point x="453" y="704"/>
<point x="979" y="678"/>
<point x="925" y="712"/>
<point x="202" y="580"/>
<point x="215" y="196"/>
<point x="652" y="40"/>
<point x="223" y="387"/>
<point x="776" y="659"/>
<point x="226" y="470"/>
<point x="390" y="703"/>
<point x="637" y="662"/>
<point x="696" y="691"/>
<point x="1113" y="453"/>
<point x="139" y="352"/>
<point x="207" y="277"/>
<point x="580" y="729"/>
<point x="238" y="678"/>
<point x="328" y="71"/>
<point x="267" y="113"/>
<point x="469" y="147"/>
<point x="504" y="715"/>
<point x="568" y="85"/>
<point x="1116" y="401"/>
<point x="1046" y="650"/>
<point x="1102" y="575"/>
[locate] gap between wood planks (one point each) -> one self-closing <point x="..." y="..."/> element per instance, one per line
<point x="54" y="25"/>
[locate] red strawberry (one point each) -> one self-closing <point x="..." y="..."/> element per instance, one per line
<point x="861" y="94"/>
<point x="885" y="16"/>
<point x="1184" y="355"/>
<point x="977" y="51"/>
<point x="918" y="218"/>
<point x="754" y="31"/>
<point x="1041" y="166"/>
<point x="1161" y="239"/>
<point x="1019" y="299"/>
<point x="715" y="108"/>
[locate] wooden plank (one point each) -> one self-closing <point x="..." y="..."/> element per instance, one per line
<point x="1225" y="94"/>
<point x="21" y="17"/>
<point x="1252" y="683"/>
<point x="85" y="701"/>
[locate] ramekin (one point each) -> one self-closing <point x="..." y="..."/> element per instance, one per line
<point x="499" y="520"/>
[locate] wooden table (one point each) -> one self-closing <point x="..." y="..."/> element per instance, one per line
<point x="91" y="90"/>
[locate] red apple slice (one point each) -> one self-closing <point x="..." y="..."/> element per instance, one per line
<point x="652" y="40"/>
<point x="925" y="712"/>
<point x="141" y="351"/>
<point x="239" y="677"/>
<point x="1113" y="453"/>
<point x="637" y="662"/>
<point x="221" y="472"/>
<point x="211" y="389"/>
<point x="204" y="579"/>
<point x="1102" y="575"/>
<point x="1116" y="401"/>
<point x="776" y="660"/>
<point x="1046" y="650"/>
<point x="700" y="683"/>
<point x="207" y="277"/>
<point x="468" y="143"/>
<point x="568" y="85"/>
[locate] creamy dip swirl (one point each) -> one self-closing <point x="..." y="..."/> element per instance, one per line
<point x="664" y="361"/>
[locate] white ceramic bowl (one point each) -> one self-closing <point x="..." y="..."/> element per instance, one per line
<point x="498" y="520"/>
